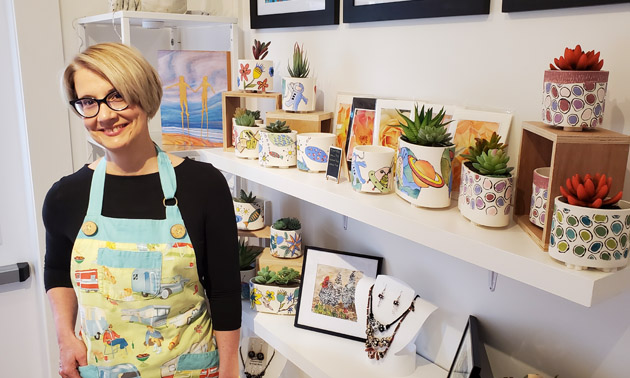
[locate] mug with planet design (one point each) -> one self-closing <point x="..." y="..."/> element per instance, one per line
<point x="540" y="192"/>
<point x="312" y="151"/>
<point x="372" y="169"/>
<point x="485" y="200"/>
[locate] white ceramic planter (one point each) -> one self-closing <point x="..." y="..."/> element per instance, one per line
<point x="281" y="300"/>
<point x="277" y="149"/>
<point x="485" y="200"/>
<point x="574" y="99"/>
<point x="298" y="94"/>
<point x="583" y="237"/>
<point x="372" y="169"/>
<point x="255" y="75"/>
<point x="249" y="216"/>
<point x="246" y="276"/>
<point x="423" y="174"/>
<point x="312" y="151"/>
<point x="285" y="244"/>
<point x="246" y="141"/>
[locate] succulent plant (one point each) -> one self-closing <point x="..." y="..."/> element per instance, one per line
<point x="247" y="255"/>
<point x="484" y="145"/>
<point x="260" y="49"/>
<point x="300" y="66"/>
<point x="576" y="59"/>
<point x="245" y="198"/>
<point x="426" y="129"/>
<point x="287" y="224"/>
<point x="242" y="111"/>
<point x="278" y="127"/>
<point x="589" y="191"/>
<point x="246" y="119"/>
<point x="284" y="276"/>
<point x="493" y="163"/>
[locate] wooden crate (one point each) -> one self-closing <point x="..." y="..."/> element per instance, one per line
<point x="567" y="153"/>
<point x="232" y="100"/>
<point x="276" y="263"/>
<point x="311" y="122"/>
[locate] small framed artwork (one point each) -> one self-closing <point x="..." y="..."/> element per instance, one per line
<point x="383" y="10"/>
<point x="471" y="359"/>
<point x="341" y="118"/>
<point x="386" y="118"/>
<point x="291" y="13"/>
<point x="360" y="125"/>
<point x="327" y="303"/>
<point x="529" y="5"/>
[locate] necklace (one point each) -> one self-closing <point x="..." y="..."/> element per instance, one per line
<point x="259" y="375"/>
<point x="376" y="347"/>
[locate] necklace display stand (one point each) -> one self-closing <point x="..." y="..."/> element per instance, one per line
<point x="402" y="321"/>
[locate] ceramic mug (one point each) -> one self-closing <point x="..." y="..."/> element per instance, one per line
<point x="373" y="169"/>
<point x="540" y="195"/>
<point x="312" y="151"/>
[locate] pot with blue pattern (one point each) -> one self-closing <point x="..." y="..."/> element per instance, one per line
<point x="312" y="151"/>
<point x="584" y="237"/>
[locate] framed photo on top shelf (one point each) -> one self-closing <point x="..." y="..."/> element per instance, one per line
<point x="292" y="13"/>
<point x="383" y="10"/>
<point x="326" y="303"/>
<point x="529" y="5"/>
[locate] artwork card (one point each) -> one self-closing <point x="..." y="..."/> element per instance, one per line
<point x="341" y="118"/>
<point x="193" y="83"/>
<point x="361" y="124"/>
<point x="327" y="291"/>
<point x="386" y="118"/>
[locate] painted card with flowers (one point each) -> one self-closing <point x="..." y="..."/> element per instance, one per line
<point x="342" y="118"/>
<point x="361" y="124"/>
<point x="386" y="132"/>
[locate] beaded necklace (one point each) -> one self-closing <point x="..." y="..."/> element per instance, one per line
<point x="259" y="375"/>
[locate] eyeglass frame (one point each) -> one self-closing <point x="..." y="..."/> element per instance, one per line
<point x="98" y="102"/>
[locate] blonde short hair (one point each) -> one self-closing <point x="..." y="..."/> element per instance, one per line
<point x="125" y="68"/>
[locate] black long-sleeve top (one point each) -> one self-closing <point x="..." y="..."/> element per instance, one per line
<point x="204" y="201"/>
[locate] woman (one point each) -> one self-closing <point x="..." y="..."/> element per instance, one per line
<point x="137" y="239"/>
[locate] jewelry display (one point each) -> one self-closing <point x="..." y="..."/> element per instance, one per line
<point x="259" y="357"/>
<point x="377" y="347"/>
<point x="396" y="303"/>
<point x="381" y="296"/>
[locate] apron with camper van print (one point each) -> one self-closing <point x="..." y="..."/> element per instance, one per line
<point x="142" y="308"/>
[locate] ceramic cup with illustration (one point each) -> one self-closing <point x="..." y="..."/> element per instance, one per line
<point x="540" y="194"/>
<point x="373" y="169"/>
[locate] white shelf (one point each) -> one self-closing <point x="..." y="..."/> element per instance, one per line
<point x="507" y="251"/>
<point x="318" y="354"/>
<point x="169" y="19"/>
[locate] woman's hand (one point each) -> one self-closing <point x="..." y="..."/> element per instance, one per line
<point x="72" y="351"/>
<point x="72" y="354"/>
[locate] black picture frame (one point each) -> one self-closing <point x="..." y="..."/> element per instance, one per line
<point x="412" y="9"/>
<point x="305" y="316"/>
<point x="530" y="5"/>
<point x="471" y="359"/>
<point x="328" y="16"/>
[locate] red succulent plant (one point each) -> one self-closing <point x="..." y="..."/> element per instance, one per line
<point x="590" y="191"/>
<point x="578" y="60"/>
<point x="260" y="49"/>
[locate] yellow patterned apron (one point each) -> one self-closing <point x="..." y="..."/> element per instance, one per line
<point x="142" y="308"/>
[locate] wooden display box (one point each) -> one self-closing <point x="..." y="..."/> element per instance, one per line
<point x="276" y="263"/>
<point x="567" y="153"/>
<point x="232" y="100"/>
<point x="311" y="122"/>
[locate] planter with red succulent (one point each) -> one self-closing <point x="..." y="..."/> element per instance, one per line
<point x="256" y="75"/>
<point x="574" y="91"/>
<point x="588" y="228"/>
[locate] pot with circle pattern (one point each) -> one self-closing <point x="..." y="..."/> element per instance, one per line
<point x="584" y="237"/>
<point x="483" y="199"/>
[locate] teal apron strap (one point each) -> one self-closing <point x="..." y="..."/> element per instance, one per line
<point x="96" y="189"/>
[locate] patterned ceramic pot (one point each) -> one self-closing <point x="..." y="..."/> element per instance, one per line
<point x="485" y="200"/>
<point x="277" y="149"/>
<point x="281" y="300"/>
<point x="574" y="99"/>
<point x="423" y="174"/>
<point x="249" y="216"/>
<point x="312" y="151"/>
<point x="246" y="141"/>
<point x="285" y="244"/>
<point x="246" y="276"/>
<point x="540" y="193"/>
<point x="298" y="94"/>
<point x="583" y="237"/>
<point x="373" y="169"/>
<point x="255" y="75"/>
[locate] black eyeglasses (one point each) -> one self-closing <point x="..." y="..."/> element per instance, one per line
<point x="88" y="107"/>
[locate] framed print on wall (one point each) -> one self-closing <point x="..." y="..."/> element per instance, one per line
<point x="290" y="13"/>
<point x="383" y="10"/>
<point x="529" y="5"/>
<point x="327" y="291"/>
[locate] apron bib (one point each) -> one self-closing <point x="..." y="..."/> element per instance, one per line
<point x="142" y="307"/>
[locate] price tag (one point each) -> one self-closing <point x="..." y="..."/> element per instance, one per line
<point x="336" y="163"/>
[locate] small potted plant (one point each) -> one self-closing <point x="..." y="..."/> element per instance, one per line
<point x="486" y="187"/>
<point x="574" y="90"/>
<point x="275" y="292"/>
<point x="423" y="163"/>
<point x="249" y="212"/>
<point x="589" y="229"/>
<point x="246" y="134"/>
<point x="247" y="255"/>
<point x="257" y="74"/>
<point x="278" y="145"/>
<point x="298" y="90"/>
<point x="286" y="238"/>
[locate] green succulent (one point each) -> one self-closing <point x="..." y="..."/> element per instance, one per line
<point x="493" y="163"/>
<point x="247" y="255"/>
<point x="484" y="145"/>
<point x="284" y="276"/>
<point x="245" y="198"/>
<point x="255" y="113"/>
<point x="245" y="120"/>
<point x="278" y="127"/>
<point x="300" y="66"/>
<point x="426" y="129"/>
<point x="242" y="111"/>
<point x="287" y="224"/>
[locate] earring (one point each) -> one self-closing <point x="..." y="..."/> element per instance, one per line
<point x="396" y="303"/>
<point x="381" y="296"/>
<point x="260" y="356"/>
<point x="251" y="354"/>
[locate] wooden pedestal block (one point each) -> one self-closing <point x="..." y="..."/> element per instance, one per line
<point x="567" y="153"/>
<point x="312" y="122"/>
<point x="232" y="100"/>
<point x="275" y="263"/>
